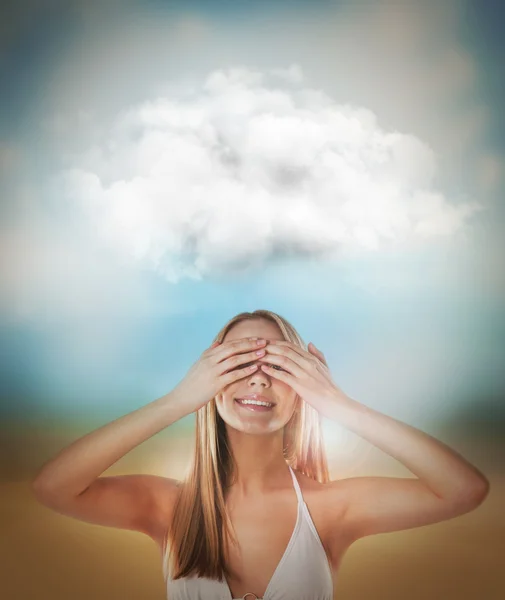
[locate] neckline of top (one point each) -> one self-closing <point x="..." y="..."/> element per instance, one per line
<point x="299" y="497"/>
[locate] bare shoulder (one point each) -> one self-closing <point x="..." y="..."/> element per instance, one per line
<point x="363" y="506"/>
<point x="321" y="492"/>
<point x="155" y="498"/>
<point x="327" y="504"/>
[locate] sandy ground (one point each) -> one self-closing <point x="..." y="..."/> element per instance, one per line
<point x="45" y="555"/>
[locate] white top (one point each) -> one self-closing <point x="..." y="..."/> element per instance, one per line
<point x="303" y="573"/>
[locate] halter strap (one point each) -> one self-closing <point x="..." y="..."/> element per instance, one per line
<point x="296" y="486"/>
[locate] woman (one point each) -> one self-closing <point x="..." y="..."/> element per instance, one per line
<point x="257" y="517"/>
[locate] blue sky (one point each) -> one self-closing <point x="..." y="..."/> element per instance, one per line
<point x="165" y="166"/>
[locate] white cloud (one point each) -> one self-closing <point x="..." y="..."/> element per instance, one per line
<point x="53" y="271"/>
<point x="250" y="164"/>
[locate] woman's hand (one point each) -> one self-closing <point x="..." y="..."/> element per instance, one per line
<point x="215" y="369"/>
<point x="305" y="372"/>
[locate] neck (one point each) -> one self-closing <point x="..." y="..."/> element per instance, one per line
<point x="259" y="460"/>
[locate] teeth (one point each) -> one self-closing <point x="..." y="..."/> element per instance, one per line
<point x="257" y="402"/>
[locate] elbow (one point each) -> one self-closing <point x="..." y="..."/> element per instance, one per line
<point x="40" y="481"/>
<point x="50" y="492"/>
<point x="46" y="495"/>
<point x="480" y="490"/>
<point x="42" y="488"/>
<point x="475" y="493"/>
<point x="39" y="488"/>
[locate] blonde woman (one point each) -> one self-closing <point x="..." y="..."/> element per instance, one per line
<point x="257" y="517"/>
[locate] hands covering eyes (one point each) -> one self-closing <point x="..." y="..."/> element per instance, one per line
<point x="245" y="365"/>
<point x="306" y="372"/>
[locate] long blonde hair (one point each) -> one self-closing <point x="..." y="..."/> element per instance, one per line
<point x="197" y="537"/>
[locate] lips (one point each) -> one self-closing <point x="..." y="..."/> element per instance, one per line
<point x="256" y="397"/>
<point x="257" y="408"/>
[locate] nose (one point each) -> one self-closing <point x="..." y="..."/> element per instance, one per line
<point x="259" y="377"/>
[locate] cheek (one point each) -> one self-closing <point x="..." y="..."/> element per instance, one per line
<point x="225" y="392"/>
<point x="224" y="397"/>
<point x="286" y="390"/>
<point x="222" y="407"/>
<point x="221" y="403"/>
<point x="288" y="395"/>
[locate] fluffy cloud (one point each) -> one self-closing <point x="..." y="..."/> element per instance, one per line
<point x="250" y="165"/>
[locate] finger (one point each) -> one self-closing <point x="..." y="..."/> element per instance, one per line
<point x="307" y="354"/>
<point x="288" y="378"/>
<point x="236" y="374"/>
<point x="241" y="360"/>
<point x="317" y="353"/>
<point x="304" y="361"/>
<point x="227" y="349"/>
<point x="211" y="347"/>
<point x="315" y="349"/>
<point x="299" y="350"/>
<point x="283" y="363"/>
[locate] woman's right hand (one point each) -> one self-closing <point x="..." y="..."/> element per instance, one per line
<point x="215" y="369"/>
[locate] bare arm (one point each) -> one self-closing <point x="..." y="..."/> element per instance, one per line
<point x="75" y="467"/>
<point x="446" y="485"/>
<point x="70" y="483"/>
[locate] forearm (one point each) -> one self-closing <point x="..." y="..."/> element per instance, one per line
<point x="75" y="467"/>
<point x="442" y="469"/>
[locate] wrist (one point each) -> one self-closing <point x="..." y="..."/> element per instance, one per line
<point x="345" y="410"/>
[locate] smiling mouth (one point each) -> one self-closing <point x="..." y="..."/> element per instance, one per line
<point x="252" y="406"/>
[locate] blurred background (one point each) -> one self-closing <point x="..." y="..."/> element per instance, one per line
<point x="165" y="165"/>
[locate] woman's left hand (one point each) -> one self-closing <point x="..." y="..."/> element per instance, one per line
<point x="306" y="373"/>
